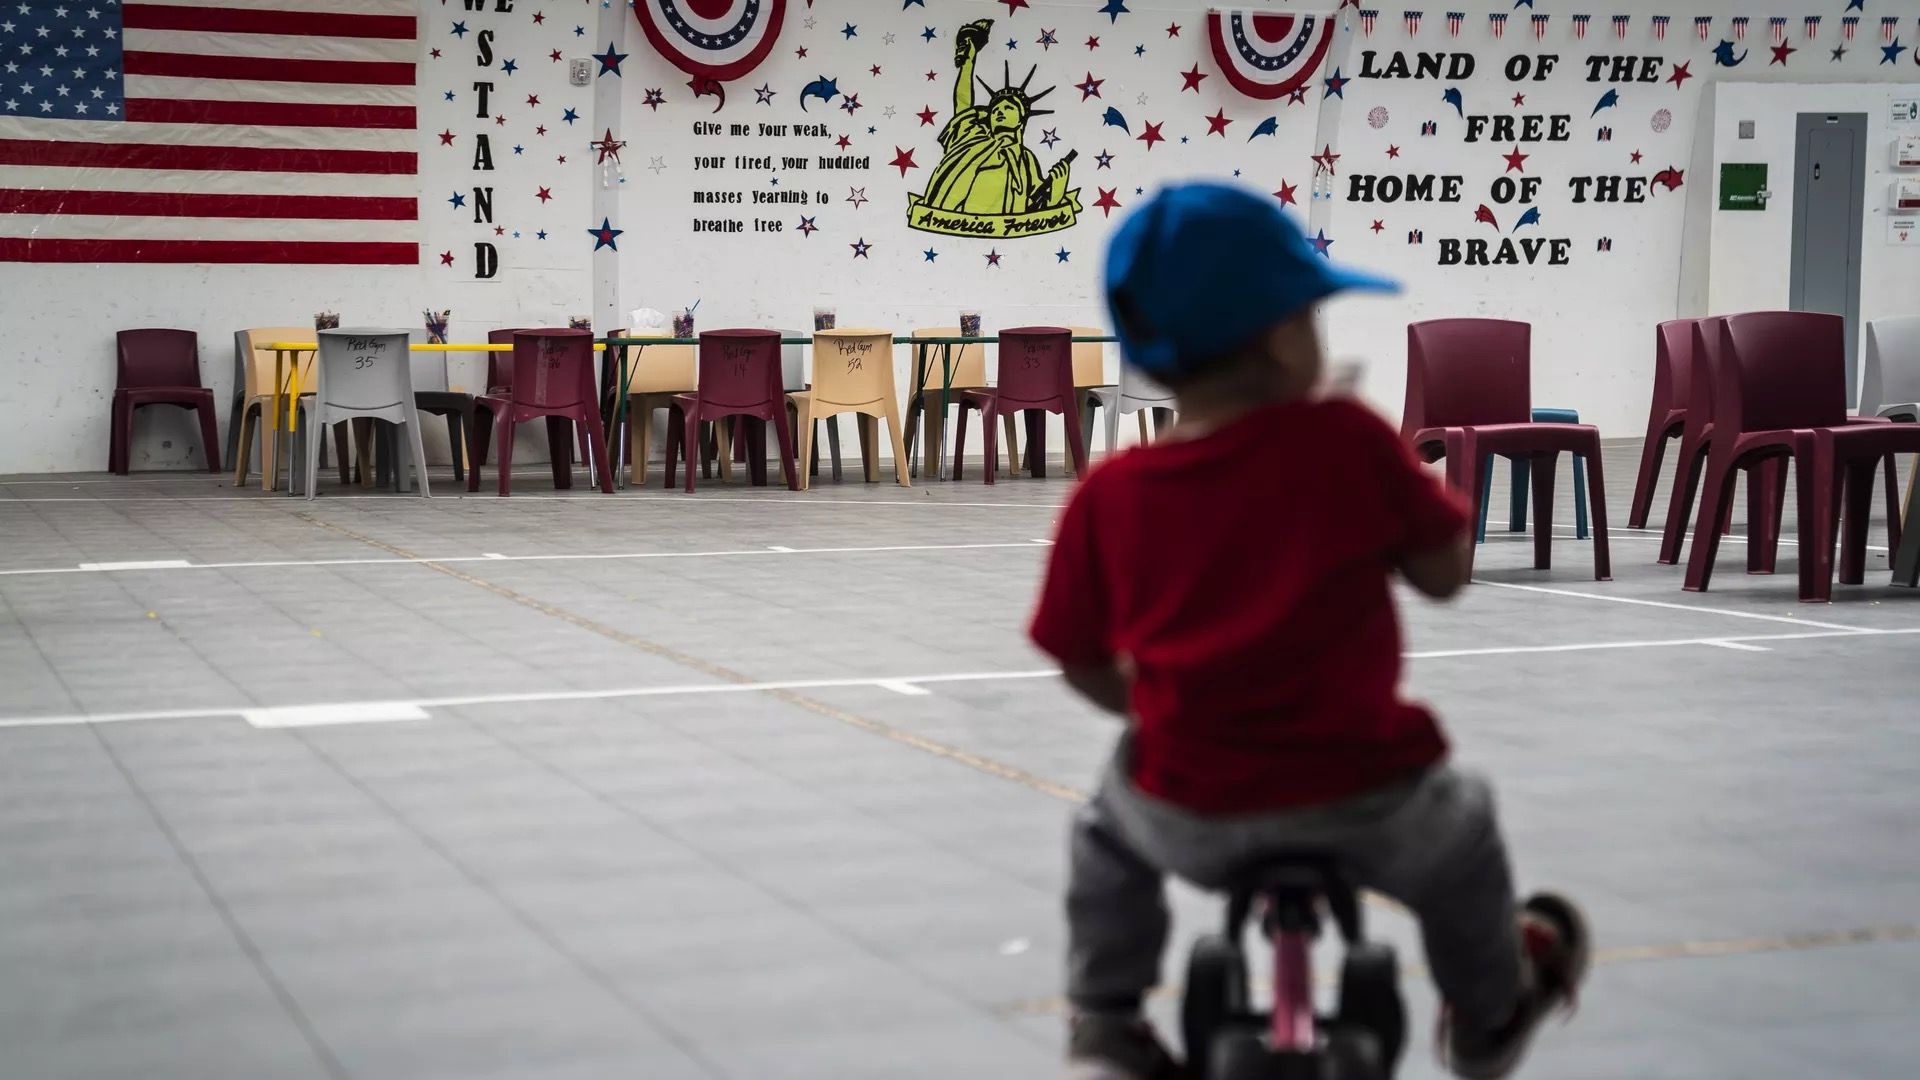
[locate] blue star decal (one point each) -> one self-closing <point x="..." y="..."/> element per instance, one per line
<point x="541" y="235"/>
<point x="1012" y="44"/>
<point x="1114" y="9"/>
<point x="519" y="149"/>
<point x="1891" y="53"/>
<point x="509" y="66"/>
<point x="610" y="60"/>
<point x="929" y="34"/>
<point x="516" y="234"/>
<point x="570" y="116"/>
<point x="851" y="31"/>
<point x="931" y="254"/>
<point x="905" y="4"/>
<point x="1321" y="244"/>
<point x="449" y="95"/>
<point x="1856" y="5"/>
<point x="1518" y="4"/>
<point x="579" y="31"/>
<point x="1183" y="140"/>
<point x="1062" y="254"/>
<point x="1337" y="86"/>
<point x="458" y="200"/>
<point x="603" y="236"/>
<point x="1139" y="50"/>
<point x="460" y="30"/>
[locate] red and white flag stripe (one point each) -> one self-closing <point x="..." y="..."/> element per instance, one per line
<point x="253" y="132"/>
<point x="1740" y="27"/>
<point x="1703" y="26"/>
<point x="1660" y="26"/>
<point x="1849" y="26"/>
<point x="1889" y="27"/>
<point x="1540" y="26"/>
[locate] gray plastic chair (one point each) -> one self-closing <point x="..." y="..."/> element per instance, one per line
<point x="364" y="372"/>
<point x="1135" y="393"/>
<point x="1890" y="381"/>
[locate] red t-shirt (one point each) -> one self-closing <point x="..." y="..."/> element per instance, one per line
<point x="1245" y="572"/>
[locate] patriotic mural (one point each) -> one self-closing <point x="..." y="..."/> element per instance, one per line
<point x="722" y="40"/>
<point x="1269" y="56"/>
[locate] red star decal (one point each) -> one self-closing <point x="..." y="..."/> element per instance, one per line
<point x="993" y="257"/>
<point x="1393" y="151"/>
<point x="1780" y="54"/>
<point x="1516" y="160"/>
<point x="875" y="69"/>
<point x="1217" y="123"/>
<point x="539" y="17"/>
<point x="1285" y="194"/>
<point x="1324" y="161"/>
<point x="544" y="194"/>
<point x="446" y="137"/>
<point x="446" y="258"/>
<point x="1519" y="100"/>
<point x="554" y="56"/>
<point x="903" y="160"/>
<point x="1106" y="202"/>
<point x="1013" y="6"/>
<point x="1093" y="43"/>
<point x="1636" y="157"/>
<point x="1297" y="96"/>
<point x="500" y="121"/>
<point x="1173" y="30"/>
<point x="926" y="115"/>
<point x="563" y="159"/>
<point x="1680" y="74"/>
<point x="533" y="99"/>
<point x="932" y="75"/>
<point x="499" y="230"/>
<point x="1191" y="79"/>
<point x="1152" y="135"/>
<point x="540" y="130"/>
<point x="801" y="52"/>
<point x="1378" y="225"/>
<point x="1089" y="87"/>
<point x="435" y="53"/>
<point x="843" y="142"/>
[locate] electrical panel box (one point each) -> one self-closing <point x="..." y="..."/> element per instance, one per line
<point x="580" y="71"/>
<point x="1906" y="195"/>
<point x="1906" y="152"/>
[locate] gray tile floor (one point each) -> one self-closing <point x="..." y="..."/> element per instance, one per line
<point x="675" y="801"/>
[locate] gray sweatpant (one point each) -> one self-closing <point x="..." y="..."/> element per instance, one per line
<point x="1431" y="843"/>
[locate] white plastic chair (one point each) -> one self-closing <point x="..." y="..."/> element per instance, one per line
<point x="364" y="372"/>
<point x="1890" y="381"/>
<point x="1135" y="394"/>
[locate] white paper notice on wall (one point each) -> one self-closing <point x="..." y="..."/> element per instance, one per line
<point x="1906" y="111"/>
<point x="1903" y="231"/>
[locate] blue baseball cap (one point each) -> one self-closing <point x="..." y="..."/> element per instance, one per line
<point x="1202" y="268"/>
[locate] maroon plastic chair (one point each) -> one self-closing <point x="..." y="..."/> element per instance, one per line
<point x="158" y="367"/>
<point x="1469" y="394"/>
<point x="552" y="378"/>
<point x="738" y="375"/>
<point x="1780" y="393"/>
<point x="1035" y="376"/>
<point x="1666" y="418"/>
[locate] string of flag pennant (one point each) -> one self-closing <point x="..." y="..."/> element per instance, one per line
<point x="1704" y="26"/>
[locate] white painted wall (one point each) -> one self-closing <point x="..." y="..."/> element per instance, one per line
<point x="1593" y="319"/>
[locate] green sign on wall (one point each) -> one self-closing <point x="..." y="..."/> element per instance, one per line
<point x="1743" y="187"/>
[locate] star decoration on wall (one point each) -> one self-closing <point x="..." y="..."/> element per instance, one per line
<point x="1286" y="194"/>
<point x="1217" y="123"/>
<point x="1062" y="254"/>
<point x="539" y="18"/>
<point x="1780" y="54"/>
<point x="807" y="227"/>
<point x="926" y="115"/>
<point x="459" y="30"/>
<point x="570" y="116"/>
<point x="1103" y="159"/>
<point x="1049" y="137"/>
<point x="765" y="94"/>
<point x="509" y="66"/>
<point x="858" y="196"/>
<point x="458" y="200"/>
<point x="447" y="137"/>
<point x="554" y="56"/>
<point x="1393" y="151"/>
<point x="888" y="112"/>
<point x="993" y="257"/>
<point x="1891" y="54"/>
<point x="1839" y="53"/>
<point x="1378" y="226"/>
<point x="449" y="95"/>
<point x="1139" y="50"/>
<point x="903" y="160"/>
<point x="610" y="61"/>
<point x="1337" y="85"/>
<point x="1092" y="43"/>
<point x="533" y="101"/>
<point x="851" y="31"/>
<point x="1297" y="96"/>
<point x="1519" y="100"/>
<point x="1089" y="87"/>
<point x="604" y="236"/>
<point x="1516" y="160"/>
<point x="1106" y="202"/>
<point x="874" y="70"/>
<point x="1152" y="135"/>
<point x="851" y="104"/>
<point x="1048" y="39"/>
<point x="656" y="164"/>
<point x="889" y="37"/>
<point x="1114" y="9"/>
<point x="1320" y="244"/>
<point x="544" y="194"/>
<point x="860" y="248"/>
<point x="930" y="254"/>
<point x="1680" y="74"/>
<point x="843" y="142"/>
<point x="446" y="258"/>
<point x="435" y="53"/>
<point x="929" y="34"/>
<point x="607" y="147"/>
<point x="1190" y="80"/>
<point x="1635" y="157"/>
<point x="654" y="99"/>
<point x="1324" y="161"/>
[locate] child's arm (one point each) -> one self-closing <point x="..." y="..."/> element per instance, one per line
<point x="1438" y="572"/>
<point x="1070" y="623"/>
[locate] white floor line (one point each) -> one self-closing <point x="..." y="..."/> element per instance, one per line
<point x="1653" y="536"/>
<point x="1739" y="646"/>
<point x="797" y="499"/>
<point x="181" y="564"/>
<point x="912" y="684"/>
<point x="1638" y="602"/>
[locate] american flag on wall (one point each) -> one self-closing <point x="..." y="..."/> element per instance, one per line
<point x="222" y="131"/>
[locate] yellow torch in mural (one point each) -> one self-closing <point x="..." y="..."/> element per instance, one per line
<point x="988" y="184"/>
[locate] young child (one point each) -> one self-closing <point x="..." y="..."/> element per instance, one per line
<point x="1226" y="590"/>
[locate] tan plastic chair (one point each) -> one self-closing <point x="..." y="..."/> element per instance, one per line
<point x="969" y="373"/>
<point x="258" y="403"/>
<point x="655" y="374"/>
<point x="853" y="373"/>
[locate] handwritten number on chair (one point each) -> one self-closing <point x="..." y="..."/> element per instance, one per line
<point x="363" y="361"/>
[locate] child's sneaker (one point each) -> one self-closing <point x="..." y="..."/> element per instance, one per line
<point x="1108" y="1047"/>
<point x="1554" y="936"/>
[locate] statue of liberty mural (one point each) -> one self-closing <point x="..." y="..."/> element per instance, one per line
<point x="988" y="183"/>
